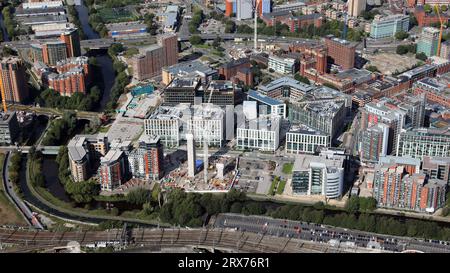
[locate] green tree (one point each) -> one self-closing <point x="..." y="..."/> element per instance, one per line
<point x="352" y="204"/>
<point x="401" y="35"/>
<point x="139" y="196"/>
<point x="236" y="207"/>
<point x="401" y="49"/>
<point x="195" y="40"/>
<point x="372" y="68"/>
<point x="421" y="56"/>
<point x="301" y="78"/>
<point x="82" y="192"/>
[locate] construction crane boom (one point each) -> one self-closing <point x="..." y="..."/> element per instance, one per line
<point x="440" y="31"/>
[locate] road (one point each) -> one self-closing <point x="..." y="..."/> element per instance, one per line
<point x="23" y="208"/>
<point x="326" y="234"/>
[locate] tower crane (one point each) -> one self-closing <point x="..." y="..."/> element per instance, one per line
<point x="441" y="21"/>
<point x="255" y="5"/>
<point x="5" y="108"/>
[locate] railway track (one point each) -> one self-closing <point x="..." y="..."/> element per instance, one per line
<point x="231" y="240"/>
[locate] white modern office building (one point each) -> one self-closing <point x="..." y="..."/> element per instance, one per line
<point x="284" y="88"/>
<point x="282" y="65"/>
<point x="305" y="140"/>
<point x="422" y="142"/>
<point x="262" y="133"/>
<point x="321" y="175"/>
<point x="172" y="123"/>
<point x="244" y="9"/>
<point x="165" y="122"/>
<point x="272" y="106"/>
<point x="383" y="27"/>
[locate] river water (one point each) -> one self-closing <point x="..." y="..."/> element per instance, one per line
<point x="2" y="25"/>
<point x="103" y="60"/>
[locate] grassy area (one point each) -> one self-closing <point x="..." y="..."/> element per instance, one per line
<point x="112" y="198"/>
<point x="281" y="186"/>
<point x="287" y="168"/>
<point x="8" y="212"/>
<point x="116" y="15"/>
<point x="130" y="52"/>
<point x="206" y="46"/>
<point x="272" y="187"/>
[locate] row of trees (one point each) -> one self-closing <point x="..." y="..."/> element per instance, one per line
<point x="121" y="80"/>
<point x="97" y="23"/>
<point x="10" y="22"/>
<point x="152" y="27"/>
<point x="362" y="204"/>
<point x="196" y="20"/>
<point x="14" y="167"/>
<point x="35" y="158"/>
<point x="60" y="130"/>
<point x="333" y="27"/>
<point x="191" y="209"/>
<point x="404" y="49"/>
<point x="74" y="15"/>
<point x="78" y="101"/>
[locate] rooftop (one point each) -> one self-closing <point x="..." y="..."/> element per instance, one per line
<point x="331" y="163"/>
<point x="190" y="69"/>
<point x="112" y="156"/>
<point x="126" y="26"/>
<point x="186" y="82"/>
<point x="223" y="86"/>
<point x="286" y="81"/>
<point x="263" y="98"/>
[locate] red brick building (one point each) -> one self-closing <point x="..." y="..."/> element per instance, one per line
<point x="244" y="75"/>
<point x="230" y="69"/>
<point x="73" y="76"/>
<point x="294" y="22"/>
<point x="424" y="19"/>
<point x="340" y="52"/>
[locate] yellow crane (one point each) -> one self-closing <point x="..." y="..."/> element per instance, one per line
<point x="2" y="89"/>
<point x="441" y="30"/>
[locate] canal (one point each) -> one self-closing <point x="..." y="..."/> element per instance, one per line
<point x="5" y="33"/>
<point x="50" y="170"/>
<point x="103" y="60"/>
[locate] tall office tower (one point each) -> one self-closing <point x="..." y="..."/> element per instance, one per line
<point x="375" y="113"/>
<point x="169" y="43"/>
<point x="148" y="64"/>
<point x="112" y="170"/>
<point x="265" y="6"/>
<point x="356" y="7"/>
<point x="53" y="52"/>
<point x="374" y="143"/>
<point x="244" y="9"/>
<point x="428" y="41"/>
<point x="13" y="80"/>
<point x="152" y="59"/>
<point x="341" y="52"/>
<point x="191" y="158"/>
<point x="394" y="187"/>
<point x="445" y="50"/>
<point x="153" y="157"/>
<point x="72" y="41"/>
<point x="229" y="7"/>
